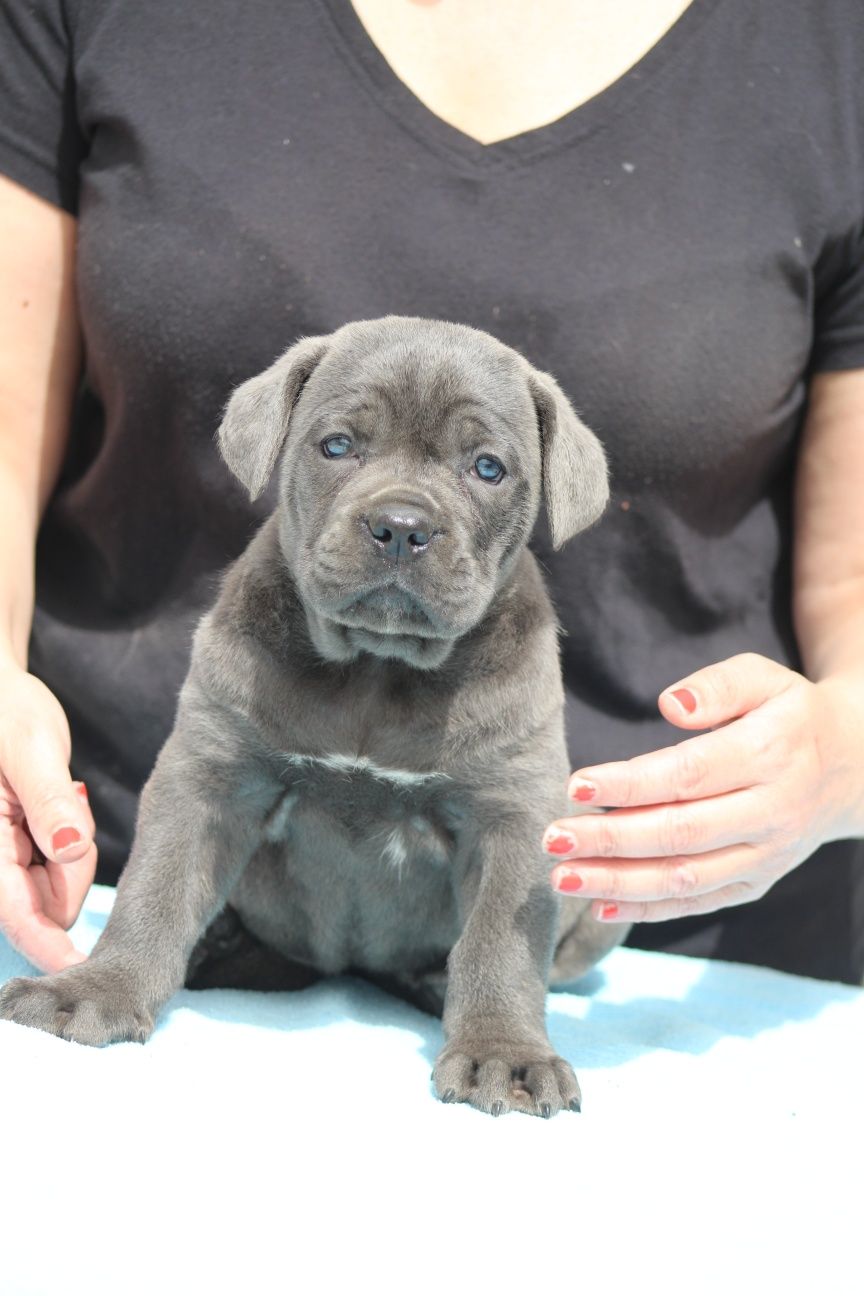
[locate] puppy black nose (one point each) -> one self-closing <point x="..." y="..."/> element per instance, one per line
<point x="401" y="530"/>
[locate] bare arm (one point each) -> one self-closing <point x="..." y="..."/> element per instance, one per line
<point x="40" y="357"/>
<point x="829" y="530"/>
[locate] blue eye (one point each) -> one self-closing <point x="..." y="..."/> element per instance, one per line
<point x="488" y="469"/>
<point x="335" y="447"/>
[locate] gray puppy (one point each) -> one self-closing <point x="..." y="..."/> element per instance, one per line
<point x="369" y="743"/>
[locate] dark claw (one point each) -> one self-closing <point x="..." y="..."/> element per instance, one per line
<point x="545" y="1111"/>
<point x="575" y="1105"/>
<point x="448" y="1096"/>
<point x="497" y="1108"/>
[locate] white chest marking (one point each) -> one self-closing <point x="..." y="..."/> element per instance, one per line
<point x="363" y="765"/>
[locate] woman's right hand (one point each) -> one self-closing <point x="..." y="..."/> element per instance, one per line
<point x="47" y="853"/>
<point x="42" y="885"/>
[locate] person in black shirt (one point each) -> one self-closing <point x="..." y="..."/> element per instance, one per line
<point x="661" y="204"/>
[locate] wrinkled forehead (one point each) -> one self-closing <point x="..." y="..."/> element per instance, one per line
<point x="425" y="378"/>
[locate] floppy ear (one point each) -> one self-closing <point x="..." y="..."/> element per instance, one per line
<point x="255" y="423"/>
<point x="575" y="477"/>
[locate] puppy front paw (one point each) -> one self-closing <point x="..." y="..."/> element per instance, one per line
<point x="504" y="1075"/>
<point x="85" y="1003"/>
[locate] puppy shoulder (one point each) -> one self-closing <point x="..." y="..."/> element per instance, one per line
<point x="513" y="653"/>
<point x="257" y="596"/>
<point x="255" y="627"/>
<point x="522" y="619"/>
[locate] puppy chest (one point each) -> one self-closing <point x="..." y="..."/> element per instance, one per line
<point x="355" y="867"/>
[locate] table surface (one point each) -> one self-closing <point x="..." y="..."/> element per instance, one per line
<point x="267" y="1141"/>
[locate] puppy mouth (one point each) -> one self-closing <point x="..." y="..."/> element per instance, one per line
<point x="430" y="596"/>
<point x="389" y="609"/>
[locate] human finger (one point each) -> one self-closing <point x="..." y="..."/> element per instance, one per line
<point x="682" y="877"/>
<point x="722" y="697"/>
<point x="641" y="911"/>
<point x="724" y="691"/>
<point x="44" y="942"/>
<point x="62" y="888"/>
<point x="58" y="817"/>
<point x="708" y="765"/>
<point x="671" y="829"/>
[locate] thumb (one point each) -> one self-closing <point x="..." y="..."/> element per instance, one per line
<point x="57" y="815"/>
<point x="725" y="691"/>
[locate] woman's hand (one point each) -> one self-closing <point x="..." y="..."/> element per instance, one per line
<point x="47" y="855"/>
<point x="717" y="819"/>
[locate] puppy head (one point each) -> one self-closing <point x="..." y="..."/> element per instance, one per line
<point x="415" y="453"/>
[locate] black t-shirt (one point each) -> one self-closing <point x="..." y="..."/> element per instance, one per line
<point x="681" y="252"/>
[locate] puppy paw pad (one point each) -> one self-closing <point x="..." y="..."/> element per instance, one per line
<point x="506" y="1077"/>
<point x="87" y="1008"/>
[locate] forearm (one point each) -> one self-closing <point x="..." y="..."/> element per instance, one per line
<point x="830" y="626"/>
<point x="828" y="596"/>
<point x="829" y="621"/>
<point x="40" y="358"/>
<point x="31" y="450"/>
<point x="828" y="599"/>
<point x="18" y="522"/>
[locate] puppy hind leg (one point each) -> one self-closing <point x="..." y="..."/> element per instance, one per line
<point x="423" y="990"/>
<point x="581" y="941"/>
<point x="229" y="957"/>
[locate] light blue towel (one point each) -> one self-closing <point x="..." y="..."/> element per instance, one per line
<point x="290" y="1142"/>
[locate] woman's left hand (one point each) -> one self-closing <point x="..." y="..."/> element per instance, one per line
<point x="719" y="818"/>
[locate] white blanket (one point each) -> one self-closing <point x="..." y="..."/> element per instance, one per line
<point x="291" y="1142"/>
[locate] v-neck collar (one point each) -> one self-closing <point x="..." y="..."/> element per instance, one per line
<point x="410" y="113"/>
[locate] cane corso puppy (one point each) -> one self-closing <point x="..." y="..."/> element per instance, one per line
<point x="369" y="743"/>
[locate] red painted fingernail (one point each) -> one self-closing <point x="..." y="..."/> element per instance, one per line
<point x="687" y="700"/>
<point x="569" y="882"/>
<point x="64" y="837"/>
<point x="560" y="845"/>
<point x="608" y="911"/>
<point x="582" y="791"/>
<point x="81" y="789"/>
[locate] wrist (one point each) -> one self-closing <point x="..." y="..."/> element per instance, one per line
<point x="10" y="659"/>
<point x="840" y="742"/>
